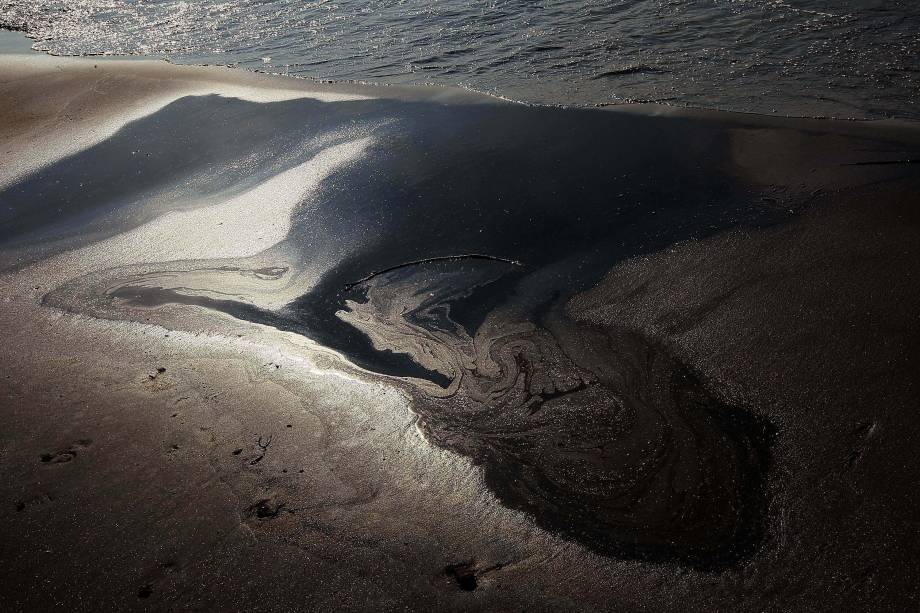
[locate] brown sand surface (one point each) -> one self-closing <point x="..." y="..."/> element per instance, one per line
<point x="223" y="465"/>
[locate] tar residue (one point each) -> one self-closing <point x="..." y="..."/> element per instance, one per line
<point x="598" y="433"/>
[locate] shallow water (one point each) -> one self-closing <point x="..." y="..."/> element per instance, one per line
<point x="793" y="57"/>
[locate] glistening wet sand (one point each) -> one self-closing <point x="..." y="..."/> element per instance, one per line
<point x="679" y="370"/>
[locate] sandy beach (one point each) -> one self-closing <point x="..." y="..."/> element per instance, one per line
<point x="268" y="342"/>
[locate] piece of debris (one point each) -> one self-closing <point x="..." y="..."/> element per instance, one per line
<point x="264" y="447"/>
<point x="265" y="509"/>
<point x="464" y="573"/>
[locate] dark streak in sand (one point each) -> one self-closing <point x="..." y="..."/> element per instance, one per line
<point x="883" y="162"/>
<point x="446" y="258"/>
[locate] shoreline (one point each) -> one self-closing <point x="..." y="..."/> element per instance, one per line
<point x="461" y="94"/>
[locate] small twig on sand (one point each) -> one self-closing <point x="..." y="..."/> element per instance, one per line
<point x="883" y="162"/>
<point x="264" y="447"/>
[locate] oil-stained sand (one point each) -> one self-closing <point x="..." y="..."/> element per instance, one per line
<point x="608" y="440"/>
<point x="654" y="362"/>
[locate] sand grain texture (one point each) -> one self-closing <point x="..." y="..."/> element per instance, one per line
<point x="207" y="416"/>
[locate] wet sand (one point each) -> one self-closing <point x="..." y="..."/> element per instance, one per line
<point x="324" y="347"/>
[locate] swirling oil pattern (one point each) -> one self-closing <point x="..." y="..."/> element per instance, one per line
<point x="798" y="57"/>
<point x="599" y="434"/>
<point x="438" y="250"/>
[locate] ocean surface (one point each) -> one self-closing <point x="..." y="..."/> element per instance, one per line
<point x="848" y="59"/>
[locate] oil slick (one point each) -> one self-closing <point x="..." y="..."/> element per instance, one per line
<point x="442" y="249"/>
<point x="598" y="433"/>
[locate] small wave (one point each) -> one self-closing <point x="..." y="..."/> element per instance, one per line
<point x="806" y="56"/>
<point x="627" y="70"/>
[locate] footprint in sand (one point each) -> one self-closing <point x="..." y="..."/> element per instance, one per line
<point x="66" y="455"/>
